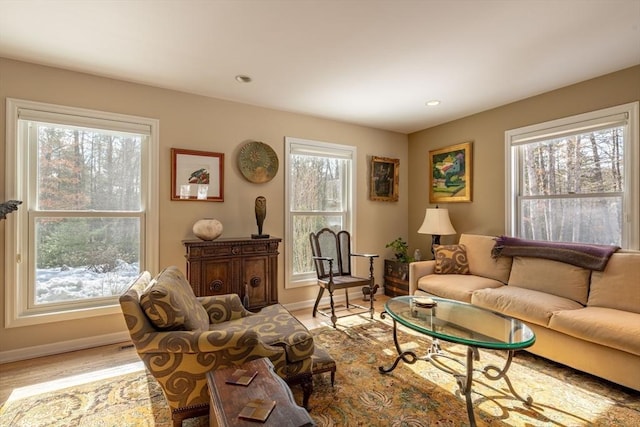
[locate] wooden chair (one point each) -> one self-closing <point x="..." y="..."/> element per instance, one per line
<point x="332" y="259"/>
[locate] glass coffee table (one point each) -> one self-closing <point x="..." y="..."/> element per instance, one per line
<point x="460" y="323"/>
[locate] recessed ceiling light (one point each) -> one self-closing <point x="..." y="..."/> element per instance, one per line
<point x="243" y="79"/>
<point x="432" y="103"/>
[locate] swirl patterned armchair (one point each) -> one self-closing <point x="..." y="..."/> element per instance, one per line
<point x="180" y="338"/>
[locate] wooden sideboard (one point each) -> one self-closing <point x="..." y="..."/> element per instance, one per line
<point x="244" y="266"/>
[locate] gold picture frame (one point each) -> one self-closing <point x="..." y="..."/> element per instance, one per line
<point x="385" y="179"/>
<point x="197" y="175"/>
<point x="451" y="174"/>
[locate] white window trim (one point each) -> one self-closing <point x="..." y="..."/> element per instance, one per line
<point x="586" y="122"/>
<point x="290" y="282"/>
<point x="16" y="312"/>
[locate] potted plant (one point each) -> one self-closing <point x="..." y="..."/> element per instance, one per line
<point x="400" y="250"/>
<point x="396" y="271"/>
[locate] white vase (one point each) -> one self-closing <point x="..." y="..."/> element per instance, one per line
<point x="207" y="229"/>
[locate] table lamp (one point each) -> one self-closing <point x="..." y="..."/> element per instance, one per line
<point x="437" y="223"/>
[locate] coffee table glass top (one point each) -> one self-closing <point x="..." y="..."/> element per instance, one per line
<point x="461" y="323"/>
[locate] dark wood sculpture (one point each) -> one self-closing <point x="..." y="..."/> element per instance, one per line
<point x="261" y="214"/>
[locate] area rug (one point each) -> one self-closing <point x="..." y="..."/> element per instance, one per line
<point x="421" y="395"/>
<point x="120" y="396"/>
<point x="411" y="395"/>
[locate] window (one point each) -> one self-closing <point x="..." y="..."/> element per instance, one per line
<point x="576" y="179"/>
<point x="319" y="193"/>
<point x="88" y="222"/>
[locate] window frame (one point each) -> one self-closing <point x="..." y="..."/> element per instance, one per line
<point x="349" y="196"/>
<point x="581" y="123"/>
<point x="18" y="228"/>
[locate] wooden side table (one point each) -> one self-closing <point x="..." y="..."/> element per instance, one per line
<point x="396" y="278"/>
<point x="227" y="400"/>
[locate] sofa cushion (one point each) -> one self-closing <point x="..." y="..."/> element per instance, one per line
<point x="524" y="304"/>
<point x="480" y="261"/>
<point x="455" y="286"/>
<point x="618" y="285"/>
<point x="277" y="327"/>
<point x="605" y="326"/>
<point x="552" y="277"/>
<point x="451" y="259"/>
<point x="170" y="304"/>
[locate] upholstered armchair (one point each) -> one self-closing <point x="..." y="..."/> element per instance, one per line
<point x="180" y="338"/>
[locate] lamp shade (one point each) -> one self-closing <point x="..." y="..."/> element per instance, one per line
<point x="437" y="222"/>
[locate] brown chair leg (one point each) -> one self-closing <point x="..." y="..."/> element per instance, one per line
<point x="334" y="318"/>
<point x="307" y="390"/>
<point x="372" y="289"/>
<point x="318" y="298"/>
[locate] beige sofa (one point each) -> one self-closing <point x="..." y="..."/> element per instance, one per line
<point x="588" y="320"/>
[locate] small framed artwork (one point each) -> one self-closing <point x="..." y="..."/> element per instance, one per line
<point x="197" y="175"/>
<point x="451" y="178"/>
<point x="385" y="177"/>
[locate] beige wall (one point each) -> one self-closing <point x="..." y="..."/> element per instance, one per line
<point x="200" y="123"/>
<point x="486" y="213"/>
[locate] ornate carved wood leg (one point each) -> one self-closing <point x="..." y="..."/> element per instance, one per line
<point x="334" y="318"/>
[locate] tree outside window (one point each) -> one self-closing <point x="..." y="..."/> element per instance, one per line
<point x="319" y="177"/>
<point x="86" y="179"/>
<point x="573" y="180"/>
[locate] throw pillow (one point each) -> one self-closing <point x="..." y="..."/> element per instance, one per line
<point x="170" y="304"/>
<point x="451" y="259"/>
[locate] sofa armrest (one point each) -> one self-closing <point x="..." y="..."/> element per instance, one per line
<point x="222" y="308"/>
<point x="417" y="270"/>
<point x="197" y="341"/>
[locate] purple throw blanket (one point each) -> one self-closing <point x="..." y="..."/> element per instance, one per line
<point x="593" y="257"/>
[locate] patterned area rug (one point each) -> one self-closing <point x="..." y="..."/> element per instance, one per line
<point x="411" y="395"/>
<point x="121" y="396"/>
<point x="421" y="395"/>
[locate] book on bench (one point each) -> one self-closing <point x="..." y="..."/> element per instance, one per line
<point x="257" y="409"/>
<point x="241" y="377"/>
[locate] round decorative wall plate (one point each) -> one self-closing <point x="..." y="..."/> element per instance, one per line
<point x="258" y="162"/>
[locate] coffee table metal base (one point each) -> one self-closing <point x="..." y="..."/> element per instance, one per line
<point x="464" y="379"/>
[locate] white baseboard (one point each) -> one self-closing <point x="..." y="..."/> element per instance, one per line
<point x="62" y="347"/>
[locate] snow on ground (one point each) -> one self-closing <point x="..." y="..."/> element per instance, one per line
<point x="74" y="283"/>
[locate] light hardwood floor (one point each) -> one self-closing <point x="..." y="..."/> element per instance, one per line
<point x="60" y="366"/>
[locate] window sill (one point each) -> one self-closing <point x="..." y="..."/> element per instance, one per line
<point x="16" y="320"/>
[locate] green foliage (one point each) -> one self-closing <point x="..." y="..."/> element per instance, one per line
<point x="95" y="243"/>
<point x="400" y="249"/>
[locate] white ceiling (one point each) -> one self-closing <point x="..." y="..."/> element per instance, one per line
<point x="370" y="62"/>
